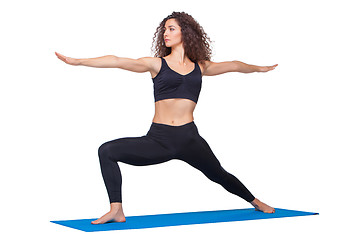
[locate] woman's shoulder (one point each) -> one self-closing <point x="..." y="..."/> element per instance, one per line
<point x="153" y="63"/>
<point x="204" y="64"/>
<point x="151" y="59"/>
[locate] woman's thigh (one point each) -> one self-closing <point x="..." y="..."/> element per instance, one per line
<point x="139" y="151"/>
<point x="200" y="156"/>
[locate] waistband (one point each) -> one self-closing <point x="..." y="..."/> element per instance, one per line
<point x="170" y="132"/>
<point x="171" y="126"/>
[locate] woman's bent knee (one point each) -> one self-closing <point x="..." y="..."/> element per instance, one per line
<point x="112" y="151"/>
<point x="104" y="151"/>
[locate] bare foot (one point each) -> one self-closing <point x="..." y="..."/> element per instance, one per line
<point x="260" y="206"/>
<point x="115" y="214"/>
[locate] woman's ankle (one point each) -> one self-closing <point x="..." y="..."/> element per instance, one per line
<point x="255" y="202"/>
<point x="115" y="206"/>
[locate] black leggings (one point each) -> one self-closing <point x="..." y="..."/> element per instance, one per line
<point x="162" y="143"/>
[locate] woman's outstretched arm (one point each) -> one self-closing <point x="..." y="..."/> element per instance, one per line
<point x="214" y="68"/>
<point x="110" y="61"/>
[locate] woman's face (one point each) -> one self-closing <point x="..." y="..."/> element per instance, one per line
<point x="172" y="34"/>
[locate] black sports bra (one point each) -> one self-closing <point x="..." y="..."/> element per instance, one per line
<point x="170" y="84"/>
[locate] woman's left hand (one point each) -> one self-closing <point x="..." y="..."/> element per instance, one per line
<point x="267" y="68"/>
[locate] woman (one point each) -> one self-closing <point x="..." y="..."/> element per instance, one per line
<point x="182" y="57"/>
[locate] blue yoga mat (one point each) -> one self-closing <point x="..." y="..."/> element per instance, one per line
<point x="176" y="219"/>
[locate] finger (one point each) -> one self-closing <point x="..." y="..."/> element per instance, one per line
<point x="273" y="67"/>
<point x="62" y="57"/>
<point x="58" y="54"/>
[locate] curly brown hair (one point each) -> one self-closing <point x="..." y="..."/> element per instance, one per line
<point x="195" y="41"/>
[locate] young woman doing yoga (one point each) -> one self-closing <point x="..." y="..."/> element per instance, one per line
<point x="182" y="57"/>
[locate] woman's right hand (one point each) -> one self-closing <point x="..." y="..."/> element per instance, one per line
<point x="68" y="60"/>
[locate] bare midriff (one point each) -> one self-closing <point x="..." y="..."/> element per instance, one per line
<point x="174" y="111"/>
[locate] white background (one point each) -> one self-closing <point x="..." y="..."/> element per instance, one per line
<point x="290" y="135"/>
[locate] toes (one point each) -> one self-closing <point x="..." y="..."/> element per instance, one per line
<point x="97" y="221"/>
<point x="272" y="211"/>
